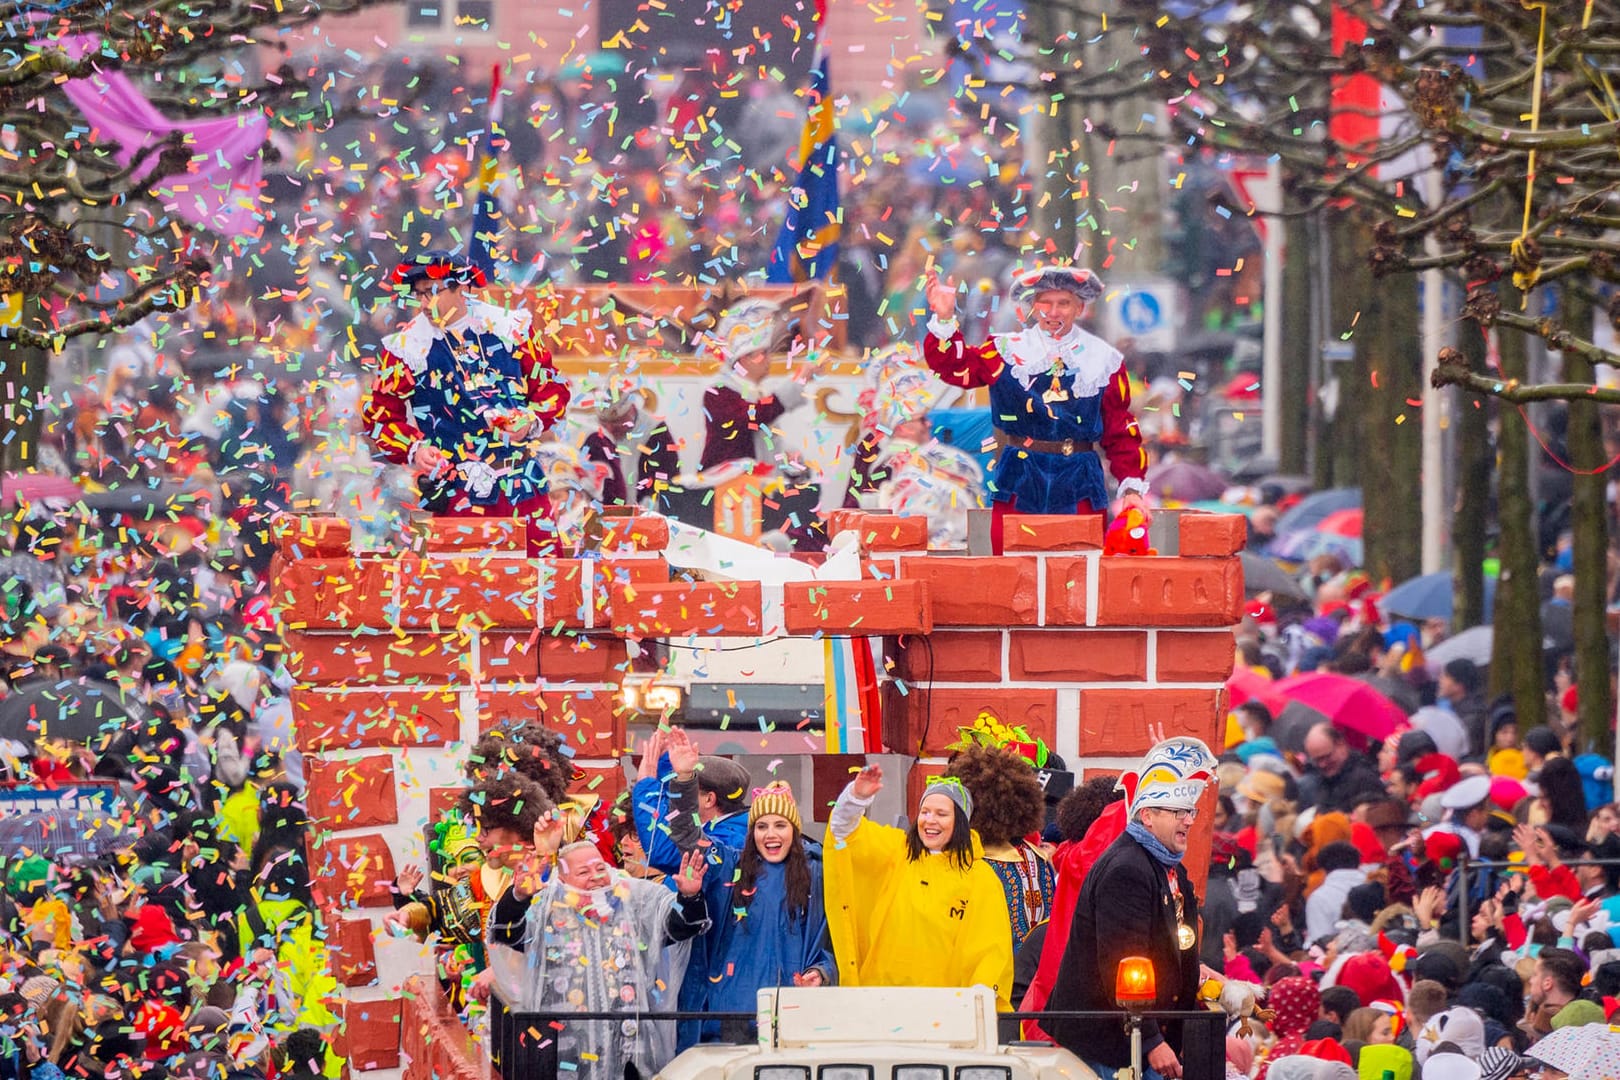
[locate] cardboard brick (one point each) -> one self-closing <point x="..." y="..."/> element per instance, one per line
<point x="992" y="591"/>
<point x="442" y="800"/>
<point x="1052" y="532"/>
<point x="325" y="720"/>
<point x="590" y="722"/>
<point x="352" y="659"/>
<point x="700" y="609"/>
<point x="605" y="781"/>
<point x="1114" y="723"/>
<point x="369" y="1038"/>
<point x="928" y="717"/>
<point x="1212" y="535"/>
<point x="351" y="794"/>
<point x="848" y="607"/>
<point x="354" y="960"/>
<point x="563" y="657"/>
<point x="475" y="534"/>
<point x="643" y="532"/>
<point x="562" y="593"/>
<point x="952" y="656"/>
<point x="1054" y="656"/>
<point x="300" y="536"/>
<point x="321" y="593"/>
<point x="880" y="532"/>
<point x="1190" y="656"/>
<point x="1158" y="591"/>
<point x="1066" y="590"/>
<point x="447" y="592"/>
<point x="353" y="870"/>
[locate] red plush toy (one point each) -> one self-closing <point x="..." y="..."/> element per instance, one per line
<point x="1128" y="535"/>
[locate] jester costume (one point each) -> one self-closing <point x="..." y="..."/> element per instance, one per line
<point x="1052" y="400"/>
<point x="480" y="390"/>
<point x="457" y="907"/>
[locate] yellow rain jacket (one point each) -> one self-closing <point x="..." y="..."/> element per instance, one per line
<point x="895" y="922"/>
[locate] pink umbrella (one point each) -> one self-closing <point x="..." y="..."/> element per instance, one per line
<point x="1342" y="522"/>
<point x="1352" y="706"/>
<point x="1246" y="684"/>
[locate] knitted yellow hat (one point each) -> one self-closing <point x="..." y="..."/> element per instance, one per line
<point x="775" y="799"/>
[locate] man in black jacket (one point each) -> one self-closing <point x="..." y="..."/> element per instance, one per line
<point x="1138" y="900"/>
<point x="1339" y="777"/>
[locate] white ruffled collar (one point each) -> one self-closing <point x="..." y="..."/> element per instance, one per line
<point x="1033" y="354"/>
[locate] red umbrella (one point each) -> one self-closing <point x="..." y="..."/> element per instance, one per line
<point x="1244" y="386"/>
<point x="1342" y="522"/>
<point x="1352" y="706"/>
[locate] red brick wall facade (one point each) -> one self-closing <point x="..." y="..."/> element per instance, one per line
<point x="403" y="659"/>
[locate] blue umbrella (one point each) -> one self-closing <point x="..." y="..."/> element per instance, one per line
<point x="1309" y="511"/>
<point x="1306" y="544"/>
<point x="1428" y="596"/>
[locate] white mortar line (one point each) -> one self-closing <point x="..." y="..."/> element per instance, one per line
<point x="1152" y="656"/>
<point x="1040" y="591"/>
<point x="1067" y="725"/>
<point x="1093" y="585"/>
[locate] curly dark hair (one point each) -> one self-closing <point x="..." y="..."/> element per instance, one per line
<point x="1007" y="799"/>
<point x="508" y="800"/>
<point x="1079" y="809"/>
<point x="527" y="748"/>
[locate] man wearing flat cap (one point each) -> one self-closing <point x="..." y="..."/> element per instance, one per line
<point x="464" y="391"/>
<point x="1138" y="900"/>
<point x="1056" y="392"/>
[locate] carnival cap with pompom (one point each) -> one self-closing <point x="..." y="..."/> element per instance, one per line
<point x="1172" y="776"/>
<point x="438" y="266"/>
<point x="775" y="799"/>
<point x="1082" y="283"/>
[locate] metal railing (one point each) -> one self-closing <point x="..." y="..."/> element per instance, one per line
<point x="1465" y="866"/>
<point x="525" y="1045"/>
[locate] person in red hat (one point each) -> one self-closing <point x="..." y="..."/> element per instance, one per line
<point x="1056" y="392"/>
<point x="464" y="391"/>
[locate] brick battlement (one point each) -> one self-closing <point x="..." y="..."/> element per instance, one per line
<point x="403" y="658"/>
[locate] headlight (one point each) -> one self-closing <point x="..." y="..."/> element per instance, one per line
<point x="921" y="1072"/>
<point x="984" y="1072"/>
<point x="782" y="1072"/>
<point x="844" y="1072"/>
<point x="661" y="699"/>
<point x="630" y="696"/>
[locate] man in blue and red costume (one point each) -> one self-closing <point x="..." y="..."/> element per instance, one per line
<point x="463" y="392"/>
<point x="1056" y="392"/>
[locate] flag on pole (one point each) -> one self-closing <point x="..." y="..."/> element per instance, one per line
<point x="807" y="246"/>
<point x="486" y="228"/>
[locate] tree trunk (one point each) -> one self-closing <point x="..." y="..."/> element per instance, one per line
<point x="1516" y="664"/>
<point x="1589" y="521"/>
<point x="1468" y="528"/>
<point x="1298" y="348"/>
<point x="24" y="373"/>
<point x="1389" y="370"/>
<point x="1352" y="281"/>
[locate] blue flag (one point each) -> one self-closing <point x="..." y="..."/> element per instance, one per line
<point x="486" y="228"/>
<point x="807" y="246"/>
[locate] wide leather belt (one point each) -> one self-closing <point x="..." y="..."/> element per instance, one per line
<point x="1066" y="448"/>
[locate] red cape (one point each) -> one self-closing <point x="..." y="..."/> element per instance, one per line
<point x="1071" y="863"/>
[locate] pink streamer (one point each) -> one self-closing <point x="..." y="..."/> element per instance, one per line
<point x="220" y="188"/>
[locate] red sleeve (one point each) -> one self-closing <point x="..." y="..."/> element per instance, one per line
<point x="387" y="412"/>
<point x="1513" y="928"/>
<point x="959" y="365"/>
<point x="1121" y="440"/>
<point x="1557" y="881"/>
<point x="545" y="389"/>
